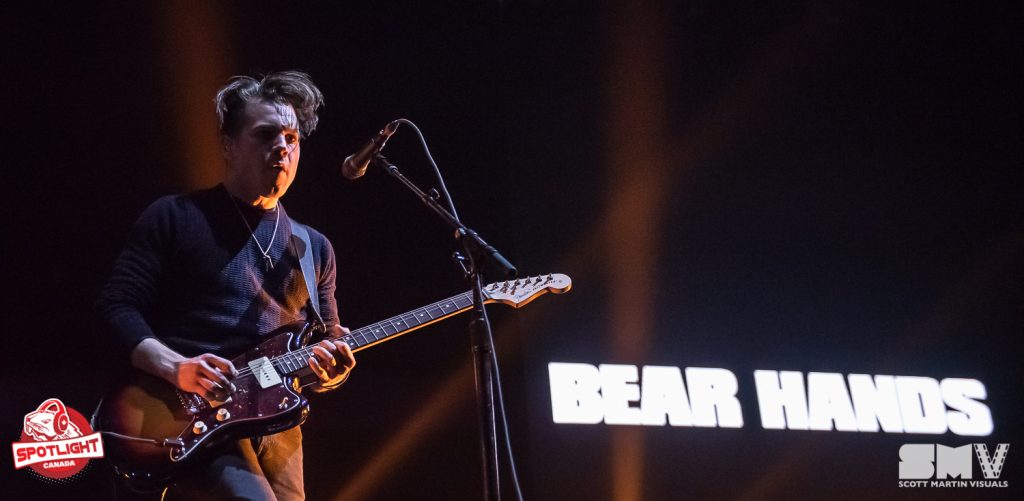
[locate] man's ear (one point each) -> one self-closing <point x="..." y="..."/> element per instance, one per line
<point x="225" y="146"/>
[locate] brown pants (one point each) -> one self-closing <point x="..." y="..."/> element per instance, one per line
<point x="261" y="468"/>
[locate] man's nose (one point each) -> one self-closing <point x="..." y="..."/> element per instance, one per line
<point x="281" y="145"/>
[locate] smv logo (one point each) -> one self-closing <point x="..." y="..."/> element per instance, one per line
<point x="928" y="461"/>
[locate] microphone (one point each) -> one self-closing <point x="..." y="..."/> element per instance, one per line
<point x="355" y="165"/>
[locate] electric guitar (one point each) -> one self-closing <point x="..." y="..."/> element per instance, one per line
<point x="152" y="429"/>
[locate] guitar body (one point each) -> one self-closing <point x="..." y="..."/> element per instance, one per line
<point x="148" y="407"/>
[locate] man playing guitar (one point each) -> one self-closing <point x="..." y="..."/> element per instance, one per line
<point x="208" y="274"/>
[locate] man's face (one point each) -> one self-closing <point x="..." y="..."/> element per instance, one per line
<point x="264" y="154"/>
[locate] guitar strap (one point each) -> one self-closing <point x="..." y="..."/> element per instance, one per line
<point x="306" y="264"/>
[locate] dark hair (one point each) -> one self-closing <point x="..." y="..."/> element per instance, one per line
<point x="291" y="87"/>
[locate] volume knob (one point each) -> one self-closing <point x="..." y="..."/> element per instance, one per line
<point x="199" y="428"/>
<point x="223" y="415"/>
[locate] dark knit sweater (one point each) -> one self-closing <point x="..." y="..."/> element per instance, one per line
<point x="192" y="276"/>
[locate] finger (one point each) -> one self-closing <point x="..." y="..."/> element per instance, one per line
<point x="210" y="386"/>
<point x="223" y="364"/>
<point x="324" y="356"/>
<point x="318" y="370"/>
<point x="204" y="385"/>
<point x="212" y="391"/>
<point x="348" y="359"/>
<point x="213" y="374"/>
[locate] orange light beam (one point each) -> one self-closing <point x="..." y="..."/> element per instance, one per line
<point x="194" y="56"/>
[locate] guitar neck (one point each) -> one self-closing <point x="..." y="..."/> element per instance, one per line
<point x="514" y="293"/>
<point x="385" y="330"/>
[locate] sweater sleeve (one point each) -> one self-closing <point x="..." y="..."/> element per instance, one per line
<point x="131" y="290"/>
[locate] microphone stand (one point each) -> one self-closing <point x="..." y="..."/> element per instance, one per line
<point x="477" y="253"/>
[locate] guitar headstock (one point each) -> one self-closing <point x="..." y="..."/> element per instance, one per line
<point x="517" y="293"/>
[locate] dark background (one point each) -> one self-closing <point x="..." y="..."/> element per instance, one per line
<point x="813" y="187"/>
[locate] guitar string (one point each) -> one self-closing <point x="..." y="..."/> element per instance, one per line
<point x="363" y="331"/>
<point x="306" y="352"/>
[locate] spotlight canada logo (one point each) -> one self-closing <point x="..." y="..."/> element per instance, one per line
<point x="56" y="441"/>
<point x="936" y="465"/>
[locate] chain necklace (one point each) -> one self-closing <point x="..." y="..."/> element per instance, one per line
<point x="268" y="262"/>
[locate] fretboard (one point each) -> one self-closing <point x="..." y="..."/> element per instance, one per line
<point x="365" y="337"/>
<point x="511" y="292"/>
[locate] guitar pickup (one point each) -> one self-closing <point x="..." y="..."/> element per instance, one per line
<point x="265" y="373"/>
